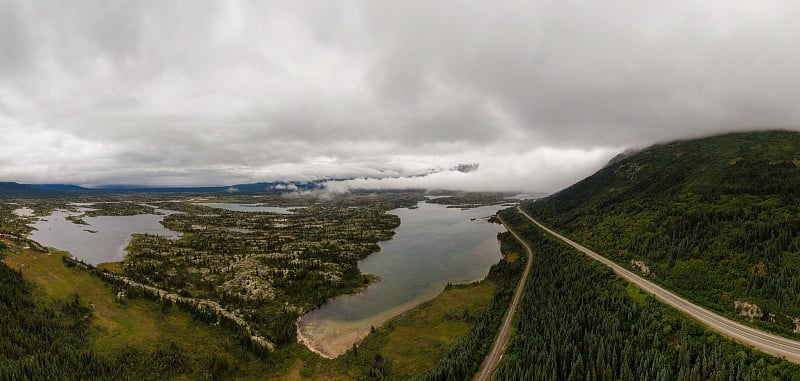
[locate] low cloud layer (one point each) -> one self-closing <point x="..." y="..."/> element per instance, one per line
<point x="538" y="93"/>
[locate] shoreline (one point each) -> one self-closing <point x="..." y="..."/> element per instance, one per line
<point x="306" y="340"/>
<point x="330" y="336"/>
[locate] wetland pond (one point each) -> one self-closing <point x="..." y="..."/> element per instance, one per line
<point x="251" y="207"/>
<point x="103" y="239"/>
<point x="434" y="245"/>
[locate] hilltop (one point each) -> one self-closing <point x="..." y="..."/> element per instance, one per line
<point x="12" y="189"/>
<point x="715" y="219"/>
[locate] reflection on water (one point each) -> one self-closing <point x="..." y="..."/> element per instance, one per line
<point x="434" y="245"/>
<point x="104" y="238"/>
<point x="250" y="208"/>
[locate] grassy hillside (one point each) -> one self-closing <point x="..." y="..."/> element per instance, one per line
<point x="715" y="219"/>
<point x="58" y="322"/>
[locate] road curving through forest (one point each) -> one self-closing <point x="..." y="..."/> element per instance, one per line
<point x="765" y="342"/>
<point x="490" y="363"/>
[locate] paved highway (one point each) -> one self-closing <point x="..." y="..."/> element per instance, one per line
<point x="490" y="363"/>
<point x="765" y="342"/>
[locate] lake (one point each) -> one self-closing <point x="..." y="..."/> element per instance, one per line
<point x="104" y="239"/>
<point x="434" y="245"/>
<point x="261" y="208"/>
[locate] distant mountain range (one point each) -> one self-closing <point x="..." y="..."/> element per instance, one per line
<point x="279" y="186"/>
<point x="12" y="189"/>
<point x="16" y="190"/>
<point x="57" y="187"/>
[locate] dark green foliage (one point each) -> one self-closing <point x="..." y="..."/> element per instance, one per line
<point x="380" y="367"/>
<point x="50" y="341"/>
<point x="463" y="361"/>
<point x="40" y="340"/>
<point x="578" y="321"/>
<point x="716" y="219"/>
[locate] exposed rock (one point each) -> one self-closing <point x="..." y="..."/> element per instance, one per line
<point x="642" y="267"/>
<point x="627" y="170"/>
<point x="748" y="309"/>
<point x="622" y="155"/>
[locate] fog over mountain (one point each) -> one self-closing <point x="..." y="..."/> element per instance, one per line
<point x="538" y="93"/>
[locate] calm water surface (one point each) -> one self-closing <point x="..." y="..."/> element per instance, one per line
<point x="250" y="208"/>
<point x="434" y="245"/>
<point x="104" y="239"/>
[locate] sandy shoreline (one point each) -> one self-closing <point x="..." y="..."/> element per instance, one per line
<point x="303" y="339"/>
<point x="340" y="342"/>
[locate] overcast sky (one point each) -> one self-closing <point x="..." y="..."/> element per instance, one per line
<point x="538" y="93"/>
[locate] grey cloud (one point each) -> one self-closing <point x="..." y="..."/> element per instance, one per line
<point x="16" y="41"/>
<point x="592" y="73"/>
<point x="217" y="93"/>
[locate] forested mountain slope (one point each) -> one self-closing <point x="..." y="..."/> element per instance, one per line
<point x="715" y="219"/>
<point x="579" y="321"/>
